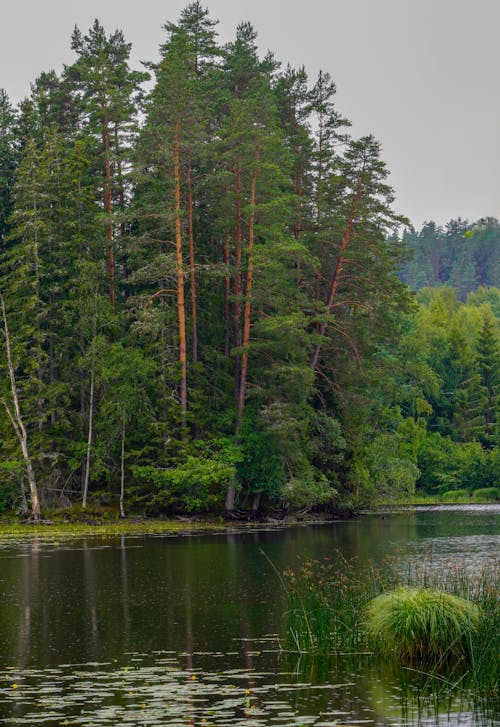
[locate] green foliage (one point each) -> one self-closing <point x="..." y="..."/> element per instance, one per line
<point x="422" y="624"/>
<point x="309" y="489"/>
<point x="261" y="468"/>
<point x="304" y="358"/>
<point x="8" y="161"/>
<point x="197" y="484"/>
<point x="486" y="494"/>
<point x="11" y="477"/>
<point x="461" y="255"/>
<point x="385" y="468"/>
<point x="446" y="465"/>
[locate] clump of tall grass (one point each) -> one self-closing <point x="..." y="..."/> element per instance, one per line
<point x="422" y="624"/>
<point x="326" y="605"/>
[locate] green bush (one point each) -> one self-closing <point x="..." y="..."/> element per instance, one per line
<point x="491" y="494"/>
<point x="421" y="624"/>
<point x="11" y="473"/>
<point x="197" y="483"/>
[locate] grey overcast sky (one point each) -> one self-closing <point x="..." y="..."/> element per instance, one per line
<point x="421" y="75"/>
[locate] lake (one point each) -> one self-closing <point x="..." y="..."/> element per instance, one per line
<point x="182" y="630"/>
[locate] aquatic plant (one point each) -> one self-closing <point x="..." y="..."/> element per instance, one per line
<point x="326" y="614"/>
<point x="325" y="604"/>
<point x="422" y="624"/>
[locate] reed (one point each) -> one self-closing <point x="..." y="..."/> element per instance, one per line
<point x="327" y="603"/>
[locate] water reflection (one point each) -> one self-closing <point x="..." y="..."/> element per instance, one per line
<point x="206" y="601"/>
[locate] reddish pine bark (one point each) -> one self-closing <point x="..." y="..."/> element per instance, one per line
<point x="192" y="268"/>
<point x="108" y="209"/>
<point x="237" y="275"/>
<point x="181" y="312"/>
<point x="334" y="283"/>
<point x="227" y="294"/>
<point x="248" y="296"/>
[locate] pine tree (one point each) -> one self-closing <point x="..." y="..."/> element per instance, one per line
<point x="169" y="144"/>
<point x="106" y="91"/>
<point x="357" y="262"/>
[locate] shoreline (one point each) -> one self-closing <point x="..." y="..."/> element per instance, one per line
<point x="206" y="524"/>
<point x="135" y="526"/>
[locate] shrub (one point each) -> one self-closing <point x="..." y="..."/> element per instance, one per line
<point x="421" y="624"/>
<point x="491" y="494"/>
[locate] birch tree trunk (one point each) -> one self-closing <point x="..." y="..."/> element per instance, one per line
<point x="122" y="474"/>
<point x="17" y="421"/>
<point x="89" y="442"/>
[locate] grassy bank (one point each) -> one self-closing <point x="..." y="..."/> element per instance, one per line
<point x="106" y="521"/>
<point x="55" y="529"/>
<point x="484" y="496"/>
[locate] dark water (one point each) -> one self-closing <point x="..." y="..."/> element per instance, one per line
<point x="182" y="630"/>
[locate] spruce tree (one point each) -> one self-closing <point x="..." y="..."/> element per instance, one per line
<point x="488" y="363"/>
<point x="8" y="161"/>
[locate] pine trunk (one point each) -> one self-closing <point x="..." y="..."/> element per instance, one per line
<point x="192" y="269"/>
<point x="334" y="283"/>
<point x="227" y="295"/>
<point x="181" y="311"/>
<point x="243" y="368"/>
<point x="298" y="193"/>
<point x="121" y="185"/>
<point x="108" y="209"/>
<point x="237" y="277"/>
<point x="248" y="296"/>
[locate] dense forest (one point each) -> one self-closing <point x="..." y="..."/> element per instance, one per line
<point x="461" y="255"/>
<point x="205" y="297"/>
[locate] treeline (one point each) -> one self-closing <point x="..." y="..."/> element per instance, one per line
<point x="200" y="301"/>
<point x="460" y="255"/>
<point x="450" y="390"/>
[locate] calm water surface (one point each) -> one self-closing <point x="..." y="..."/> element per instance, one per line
<point x="182" y="630"/>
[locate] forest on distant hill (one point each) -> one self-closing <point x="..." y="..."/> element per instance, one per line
<point x="200" y="300"/>
<point x="462" y="255"/>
